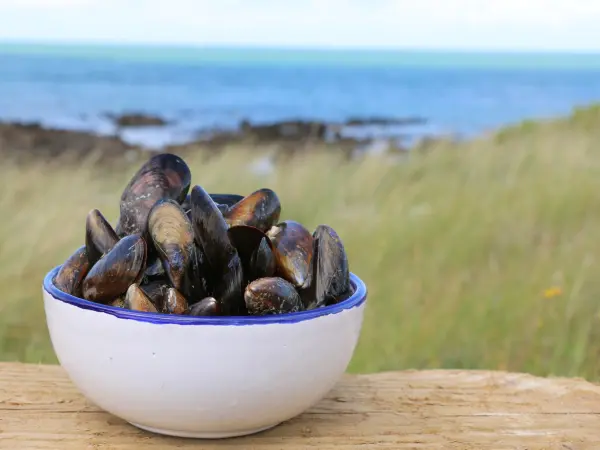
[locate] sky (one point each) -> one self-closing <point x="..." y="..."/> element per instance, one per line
<point x="444" y="24"/>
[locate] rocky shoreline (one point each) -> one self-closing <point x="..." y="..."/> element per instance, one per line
<point x="34" y="139"/>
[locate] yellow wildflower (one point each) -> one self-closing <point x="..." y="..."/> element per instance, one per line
<point x="553" y="292"/>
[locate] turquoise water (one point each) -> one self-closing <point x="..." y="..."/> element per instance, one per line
<point x="74" y="86"/>
<point x="235" y="56"/>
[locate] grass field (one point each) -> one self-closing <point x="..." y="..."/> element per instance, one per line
<point x="479" y="255"/>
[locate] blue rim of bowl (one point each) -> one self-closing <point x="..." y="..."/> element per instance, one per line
<point x="356" y="299"/>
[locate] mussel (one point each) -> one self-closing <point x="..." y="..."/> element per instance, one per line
<point x="255" y="250"/>
<point x="210" y="232"/>
<point x="195" y="283"/>
<point x="121" y="267"/>
<point x="136" y="300"/>
<point x="210" y="229"/>
<point x="72" y="273"/>
<point x="175" y="302"/>
<point x="272" y="295"/>
<point x="229" y="290"/>
<point x="173" y="237"/>
<point x="331" y="274"/>
<point x="164" y="176"/>
<point x="293" y="246"/>
<point x="206" y="307"/>
<point x="100" y="237"/>
<point x="261" y="210"/>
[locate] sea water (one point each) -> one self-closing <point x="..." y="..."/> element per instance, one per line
<point x="460" y="93"/>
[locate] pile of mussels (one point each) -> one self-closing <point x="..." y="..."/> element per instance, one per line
<point x="181" y="251"/>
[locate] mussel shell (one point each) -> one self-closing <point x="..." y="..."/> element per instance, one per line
<point x="261" y="210"/>
<point x="210" y="229"/>
<point x="100" y="237"/>
<point x="255" y="250"/>
<point x="175" y="302"/>
<point x="225" y="267"/>
<point x="70" y="276"/>
<point x="163" y="176"/>
<point x="156" y="291"/>
<point x="112" y="275"/>
<point x="195" y="283"/>
<point x="293" y="246"/>
<point x="136" y="300"/>
<point x="272" y="295"/>
<point x="206" y="307"/>
<point x="173" y="238"/>
<point x="228" y="288"/>
<point x="263" y="261"/>
<point x="331" y="272"/>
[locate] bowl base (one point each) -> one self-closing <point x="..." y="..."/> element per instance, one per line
<point x="203" y="435"/>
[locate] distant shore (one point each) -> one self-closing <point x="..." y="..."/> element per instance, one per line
<point x="214" y="97"/>
<point x="32" y="140"/>
<point x="356" y="134"/>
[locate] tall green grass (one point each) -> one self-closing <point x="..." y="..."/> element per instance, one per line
<point x="478" y="255"/>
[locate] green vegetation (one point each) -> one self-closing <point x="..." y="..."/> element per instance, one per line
<point x="477" y="255"/>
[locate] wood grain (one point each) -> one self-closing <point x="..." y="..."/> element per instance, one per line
<point x="41" y="409"/>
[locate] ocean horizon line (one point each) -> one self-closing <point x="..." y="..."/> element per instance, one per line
<point x="64" y="44"/>
<point x="225" y="55"/>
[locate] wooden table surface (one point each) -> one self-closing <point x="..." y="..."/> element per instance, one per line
<point x="41" y="409"/>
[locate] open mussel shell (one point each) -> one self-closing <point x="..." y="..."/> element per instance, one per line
<point x="173" y="237"/>
<point x="261" y="210"/>
<point x="228" y="288"/>
<point x="206" y="307"/>
<point x="255" y="250"/>
<point x="293" y="248"/>
<point x="70" y="276"/>
<point x="331" y="273"/>
<point x="162" y="176"/>
<point x="137" y="300"/>
<point x="262" y="262"/>
<point x="210" y="232"/>
<point x="272" y="295"/>
<point x="175" y="302"/>
<point x="210" y="229"/>
<point x="112" y="275"/>
<point x="195" y="283"/>
<point x="100" y="237"/>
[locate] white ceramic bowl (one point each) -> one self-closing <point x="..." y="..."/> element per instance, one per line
<point x="205" y="377"/>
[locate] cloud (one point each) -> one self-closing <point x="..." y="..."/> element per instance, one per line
<point x="43" y="4"/>
<point x="393" y="23"/>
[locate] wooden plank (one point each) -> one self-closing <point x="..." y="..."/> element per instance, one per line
<point x="41" y="409"/>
